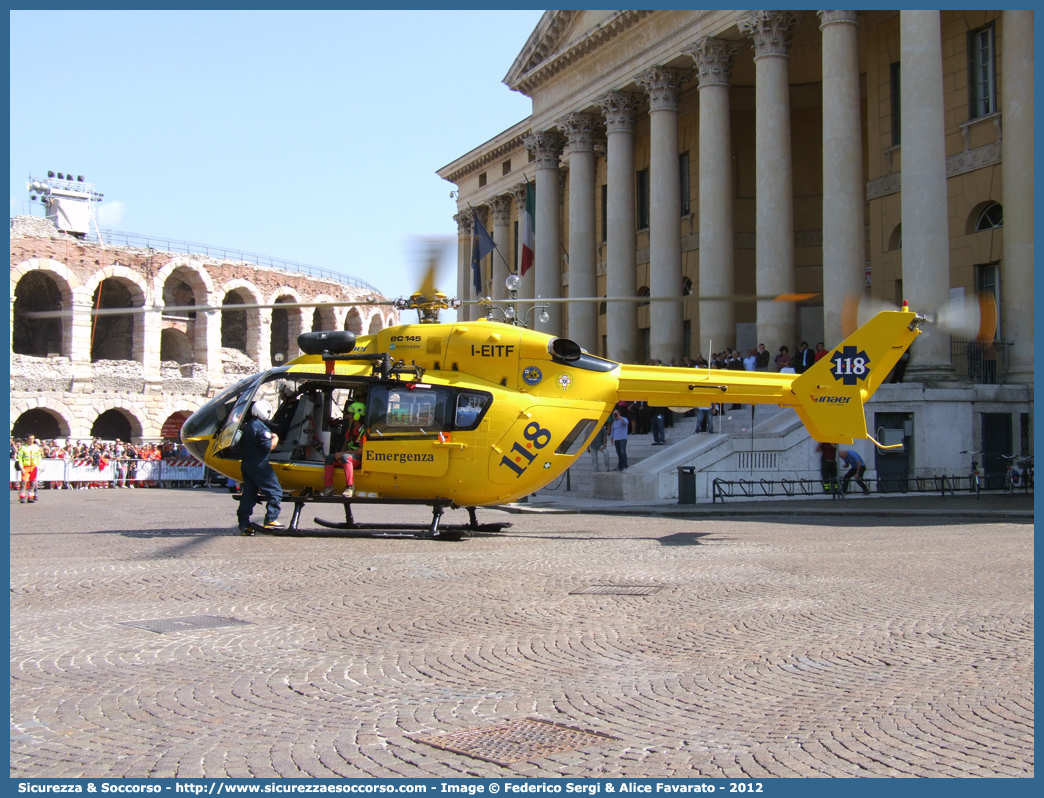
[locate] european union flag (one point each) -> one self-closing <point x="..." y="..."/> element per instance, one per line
<point x="481" y="246"/>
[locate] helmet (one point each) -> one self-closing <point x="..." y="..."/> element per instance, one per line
<point x="357" y="410"/>
<point x="262" y="409"/>
<point x="286" y="390"/>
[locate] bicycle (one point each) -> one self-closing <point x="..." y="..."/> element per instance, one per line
<point x="974" y="479"/>
<point x="1019" y="472"/>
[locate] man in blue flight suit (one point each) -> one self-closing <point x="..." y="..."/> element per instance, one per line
<point x="256" y="444"/>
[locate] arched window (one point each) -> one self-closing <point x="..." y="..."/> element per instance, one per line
<point x="233" y="323"/>
<point x="643" y="291"/>
<point x="896" y="240"/>
<point x="37" y="291"/>
<point x="992" y="216"/>
<point x="686" y="287"/>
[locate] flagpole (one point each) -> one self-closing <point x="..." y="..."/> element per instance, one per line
<point x="496" y="247"/>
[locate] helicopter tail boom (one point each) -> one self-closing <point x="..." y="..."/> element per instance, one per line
<point x="829" y="397"/>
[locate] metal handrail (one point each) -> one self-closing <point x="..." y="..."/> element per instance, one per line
<point x="979" y="362"/>
<point x="722" y="489"/>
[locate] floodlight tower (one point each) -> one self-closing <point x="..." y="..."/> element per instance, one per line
<point x="68" y="203"/>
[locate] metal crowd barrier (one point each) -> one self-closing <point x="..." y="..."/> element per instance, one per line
<point x="723" y="489"/>
<point x="169" y="473"/>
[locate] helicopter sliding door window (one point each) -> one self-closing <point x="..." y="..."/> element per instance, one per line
<point x="408" y="411"/>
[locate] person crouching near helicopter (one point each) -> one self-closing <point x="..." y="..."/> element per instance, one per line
<point x="350" y="454"/>
<point x="256" y="444"/>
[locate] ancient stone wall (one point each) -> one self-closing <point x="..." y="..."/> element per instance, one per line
<point x="80" y="366"/>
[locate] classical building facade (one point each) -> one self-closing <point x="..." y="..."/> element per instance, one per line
<point x="127" y="376"/>
<point x="693" y="155"/>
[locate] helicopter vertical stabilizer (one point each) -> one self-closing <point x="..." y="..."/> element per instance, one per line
<point x="833" y="392"/>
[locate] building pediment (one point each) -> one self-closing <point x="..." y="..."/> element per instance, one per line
<point x="562" y="38"/>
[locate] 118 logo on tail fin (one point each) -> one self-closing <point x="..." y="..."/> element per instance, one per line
<point x="850" y="365"/>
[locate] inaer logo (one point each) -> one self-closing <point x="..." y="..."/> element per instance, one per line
<point x="833" y="400"/>
<point x="399" y="457"/>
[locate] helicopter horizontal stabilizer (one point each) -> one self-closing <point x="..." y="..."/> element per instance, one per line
<point x="832" y="392"/>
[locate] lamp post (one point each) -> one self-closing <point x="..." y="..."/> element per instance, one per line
<point x="510" y="317"/>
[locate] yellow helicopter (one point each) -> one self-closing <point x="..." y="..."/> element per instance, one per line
<point x="477" y="413"/>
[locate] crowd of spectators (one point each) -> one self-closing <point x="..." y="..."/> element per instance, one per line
<point x="98" y="454"/>
<point x="752" y="360"/>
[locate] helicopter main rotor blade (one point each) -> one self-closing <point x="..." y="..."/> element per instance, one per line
<point x="644" y="299"/>
<point x="57" y="314"/>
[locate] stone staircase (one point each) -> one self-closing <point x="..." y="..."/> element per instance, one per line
<point x="652" y="470"/>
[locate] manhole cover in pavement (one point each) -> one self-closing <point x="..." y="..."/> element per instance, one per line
<point x="515" y="741"/>
<point x="618" y="590"/>
<point x="164" y="625"/>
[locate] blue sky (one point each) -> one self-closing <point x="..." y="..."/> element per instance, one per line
<point x="308" y="136"/>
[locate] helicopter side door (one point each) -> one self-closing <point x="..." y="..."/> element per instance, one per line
<point x="403" y="429"/>
<point x="235" y="418"/>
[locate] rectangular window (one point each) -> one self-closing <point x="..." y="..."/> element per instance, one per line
<point x="683" y="167"/>
<point x="643" y="199"/>
<point x="982" y="91"/>
<point x="482" y="180"/>
<point x="896" y="105"/>
<point x="605" y="211"/>
<point x="507" y="168"/>
<point x="398" y="411"/>
<point x="987" y="281"/>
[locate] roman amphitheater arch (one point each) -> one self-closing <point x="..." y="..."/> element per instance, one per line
<point x="29" y="336"/>
<point x="241" y="329"/>
<point x="287" y="325"/>
<point x="117" y="337"/>
<point x="184" y="282"/>
<point x="141" y="426"/>
<point x="353" y="321"/>
<point x="324" y="317"/>
<point x="57" y="410"/>
<point x="376" y="323"/>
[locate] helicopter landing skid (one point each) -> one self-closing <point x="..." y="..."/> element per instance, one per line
<point x="435" y="530"/>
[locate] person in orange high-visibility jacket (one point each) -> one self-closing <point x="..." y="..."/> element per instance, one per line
<point x="28" y="464"/>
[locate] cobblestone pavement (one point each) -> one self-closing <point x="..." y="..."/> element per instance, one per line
<point x="776" y="646"/>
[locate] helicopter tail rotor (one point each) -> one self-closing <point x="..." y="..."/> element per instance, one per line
<point x="972" y="317"/>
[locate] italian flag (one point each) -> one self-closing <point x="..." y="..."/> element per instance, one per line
<point x="528" y="230"/>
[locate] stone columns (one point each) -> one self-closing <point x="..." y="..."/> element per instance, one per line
<point x="770" y="33"/>
<point x="717" y="273"/>
<point x="1017" y="181"/>
<point x="621" y="276"/>
<point x="665" y="262"/>
<point x="926" y="238"/>
<point x="211" y="321"/>
<point x="80" y="341"/>
<point x="583" y="316"/>
<point x="547" y="147"/>
<point x="147" y="335"/>
<point x="464" y="227"/>
<point x="843" y="255"/>
<point x="264" y="334"/>
<point x="500" y="208"/>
